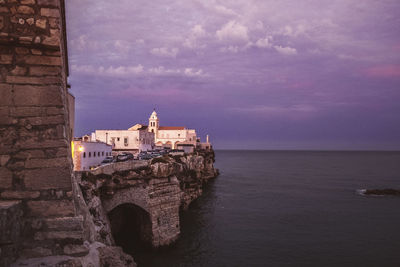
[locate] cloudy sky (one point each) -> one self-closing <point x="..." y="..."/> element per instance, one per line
<point x="287" y="74"/>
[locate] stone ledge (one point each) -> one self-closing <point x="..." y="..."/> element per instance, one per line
<point x="59" y="235"/>
<point x="64" y="223"/>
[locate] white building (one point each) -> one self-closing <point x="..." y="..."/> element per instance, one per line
<point x="86" y="155"/>
<point x="170" y="136"/>
<point x="135" y="139"/>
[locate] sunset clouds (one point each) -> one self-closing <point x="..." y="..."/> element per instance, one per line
<point x="307" y="61"/>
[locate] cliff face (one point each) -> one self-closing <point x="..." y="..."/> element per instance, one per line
<point x="153" y="191"/>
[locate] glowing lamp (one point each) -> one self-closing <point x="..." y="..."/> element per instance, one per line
<point x="80" y="148"/>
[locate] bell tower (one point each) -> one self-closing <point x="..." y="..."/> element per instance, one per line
<point x="154" y="123"/>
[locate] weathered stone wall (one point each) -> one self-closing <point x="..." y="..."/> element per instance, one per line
<point x="35" y="162"/>
<point x="160" y="187"/>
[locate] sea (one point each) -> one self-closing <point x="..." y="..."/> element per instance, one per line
<point x="290" y="208"/>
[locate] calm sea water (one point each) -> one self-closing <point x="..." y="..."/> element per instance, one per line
<point x="288" y="208"/>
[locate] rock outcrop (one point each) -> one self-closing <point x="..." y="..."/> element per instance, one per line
<point x="381" y="192"/>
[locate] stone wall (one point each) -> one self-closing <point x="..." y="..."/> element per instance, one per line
<point x="35" y="162"/>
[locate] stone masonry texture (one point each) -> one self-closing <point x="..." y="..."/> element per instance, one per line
<point x="35" y="168"/>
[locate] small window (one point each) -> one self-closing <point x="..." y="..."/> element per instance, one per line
<point x="94" y="154"/>
<point x="102" y="153"/>
<point x="90" y="154"/>
<point x="179" y="135"/>
<point x="118" y="139"/>
<point x="84" y="154"/>
<point x="98" y="153"/>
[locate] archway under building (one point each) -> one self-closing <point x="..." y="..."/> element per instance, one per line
<point x="131" y="228"/>
<point x="159" y="144"/>
<point x="176" y="144"/>
<point x="168" y="144"/>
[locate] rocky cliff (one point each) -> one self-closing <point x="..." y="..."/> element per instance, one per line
<point x="154" y="191"/>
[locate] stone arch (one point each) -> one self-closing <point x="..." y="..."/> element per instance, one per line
<point x="168" y="144"/>
<point x="133" y="195"/>
<point x="131" y="227"/>
<point x="176" y="144"/>
<point x="159" y="143"/>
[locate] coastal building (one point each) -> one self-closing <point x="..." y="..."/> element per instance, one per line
<point x="135" y="139"/>
<point x="170" y="136"/>
<point x="87" y="154"/>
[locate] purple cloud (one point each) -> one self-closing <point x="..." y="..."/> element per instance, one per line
<point x="262" y="74"/>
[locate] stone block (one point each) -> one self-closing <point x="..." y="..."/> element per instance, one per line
<point x="28" y="95"/>
<point x="6" y="59"/>
<point x="46" y="163"/>
<point x="63" y="152"/>
<point x="59" y="235"/>
<point x="27" y="154"/>
<point x="30" y="21"/>
<point x="28" y="2"/>
<point x="76" y="250"/>
<point x="4" y="159"/>
<point x="18" y="70"/>
<point x="36" y="52"/>
<point x="5" y="118"/>
<point x="21" y="50"/>
<point x="26" y="111"/>
<point x="4" y="9"/>
<point x="58" y="119"/>
<point x="43" y="71"/>
<point x="54" y="111"/>
<point x="52" y="41"/>
<point x="41" y="23"/>
<point x="51" y="208"/>
<point x="40" y="60"/>
<point x="25" y="39"/>
<point x="54" y="23"/>
<point x="5" y="95"/>
<point x="35" y="144"/>
<point x="5" y="178"/>
<point x="50" y="12"/>
<point x="53" y="3"/>
<point x="25" y="10"/>
<point x="64" y="223"/>
<point x="52" y="53"/>
<point x="20" y="194"/>
<point x="48" y="178"/>
<point x="33" y="80"/>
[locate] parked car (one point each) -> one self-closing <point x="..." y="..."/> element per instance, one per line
<point x="124" y="157"/>
<point x="107" y="160"/>
<point x="144" y="156"/>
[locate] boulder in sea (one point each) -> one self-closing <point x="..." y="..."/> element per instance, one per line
<point x="381" y="192"/>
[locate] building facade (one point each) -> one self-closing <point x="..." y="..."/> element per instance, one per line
<point x="86" y="155"/>
<point x="170" y="136"/>
<point x="135" y="139"/>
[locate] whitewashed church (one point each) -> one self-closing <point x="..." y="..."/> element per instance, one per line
<point x="170" y="136"/>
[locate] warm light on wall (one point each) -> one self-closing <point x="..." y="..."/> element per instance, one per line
<point x="80" y="148"/>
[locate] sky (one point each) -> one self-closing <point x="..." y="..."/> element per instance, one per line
<point x="287" y="74"/>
